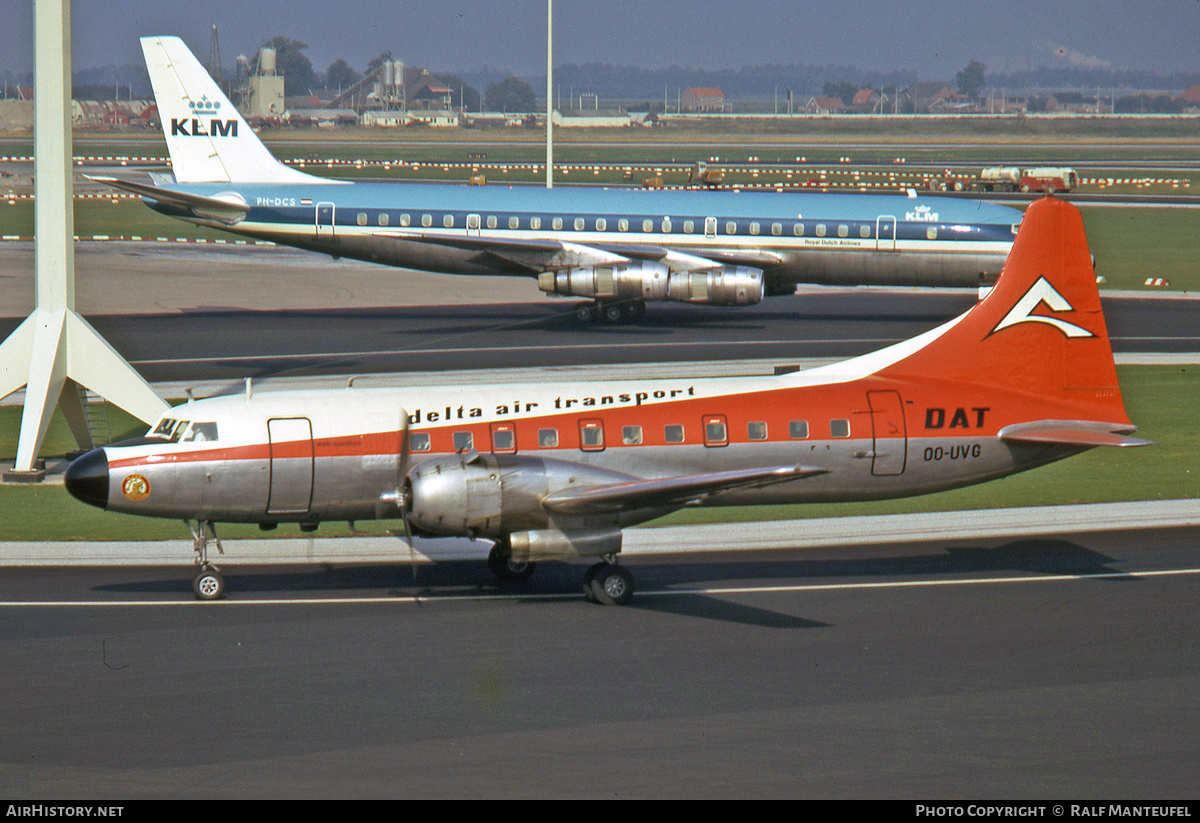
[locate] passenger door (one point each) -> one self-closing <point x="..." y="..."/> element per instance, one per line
<point x="324" y="219"/>
<point x="291" y="449"/>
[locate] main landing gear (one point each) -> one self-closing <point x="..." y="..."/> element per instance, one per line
<point x="208" y="583"/>
<point x="610" y="311"/>
<point x="605" y="583"/>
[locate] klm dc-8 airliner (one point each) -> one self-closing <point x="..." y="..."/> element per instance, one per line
<point x="618" y="248"/>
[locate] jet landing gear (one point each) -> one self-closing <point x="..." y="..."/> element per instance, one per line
<point x="208" y="583"/>
<point x="610" y="311"/>
<point x="608" y="584"/>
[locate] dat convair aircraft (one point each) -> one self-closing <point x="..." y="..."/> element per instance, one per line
<point x="558" y="470"/>
<point x="618" y="248"/>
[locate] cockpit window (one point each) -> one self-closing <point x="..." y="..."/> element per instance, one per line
<point x="201" y="432"/>
<point x="169" y="429"/>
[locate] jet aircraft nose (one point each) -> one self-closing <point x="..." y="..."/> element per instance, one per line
<point x="87" y="478"/>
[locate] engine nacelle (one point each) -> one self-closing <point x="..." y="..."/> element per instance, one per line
<point x="725" y="286"/>
<point x="722" y="286"/>
<point x="474" y="495"/>
<point x="455" y="497"/>
<point x="642" y="281"/>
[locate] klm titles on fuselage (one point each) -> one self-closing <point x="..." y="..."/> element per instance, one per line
<point x="216" y="127"/>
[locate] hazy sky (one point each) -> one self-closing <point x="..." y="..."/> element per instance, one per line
<point x="935" y="38"/>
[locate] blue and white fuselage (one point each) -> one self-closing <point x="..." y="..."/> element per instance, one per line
<point x="616" y="247"/>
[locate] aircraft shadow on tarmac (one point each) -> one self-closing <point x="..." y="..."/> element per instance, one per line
<point x="655" y="578"/>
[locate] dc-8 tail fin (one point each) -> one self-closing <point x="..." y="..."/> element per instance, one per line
<point x="208" y="139"/>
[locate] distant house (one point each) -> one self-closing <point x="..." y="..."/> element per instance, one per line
<point x="868" y="100"/>
<point x="702" y="99"/>
<point x="1191" y="96"/>
<point x="924" y="95"/>
<point x="824" y="105"/>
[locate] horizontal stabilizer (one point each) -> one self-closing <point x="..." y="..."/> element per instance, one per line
<point x="669" y="491"/>
<point x="1085" y="433"/>
<point x="230" y="209"/>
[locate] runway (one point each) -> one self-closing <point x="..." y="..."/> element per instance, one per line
<point x="1022" y="669"/>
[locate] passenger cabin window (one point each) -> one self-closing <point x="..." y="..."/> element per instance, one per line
<point x="666" y="225"/>
<point x="756" y="430"/>
<point x="798" y="429"/>
<point x="622" y="225"/>
<point x="776" y="229"/>
<point x="731" y="227"/>
<point x="820" y="230"/>
<point x="362" y="218"/>
<point x="839" y="428"/>
<point x="715" y="432"/>
<point x="601" y="224"/>
<point x="463" y="441"/>
<point x="535" y="223"/>
<point x="405" y="219"/>
<point x="673" y="433"/>
<point x="504" y="438"/>
<point x="426" y="220"/>
<point x="448" y="221"/>
<point x="647" y="225"/>
<point x="547" y="438"/>
<point x="591" y="435"/>
<point x="864" y="231"/>
<point x="383" y="218"/>
<point x="205" y="432"/>
<point x="492" y="222"/>
<point x="578" y="224"/>
<point x="798" y="229"/>
<point x="514" y="223"/>
<point x="843" y="230"/>
<point x="754" y="228"/>
<point x="631" y="435"/>
<point x="688" y="226"/>
<point x="556" y="223"/>
<point x="418" y="442"/>
<point x="931" y="233"/>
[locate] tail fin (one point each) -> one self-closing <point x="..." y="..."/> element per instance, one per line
<point x="208" y="140"/>
<point x="1040" y="330"/>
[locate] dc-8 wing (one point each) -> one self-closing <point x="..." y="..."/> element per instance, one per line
<point x="669" y="491"/>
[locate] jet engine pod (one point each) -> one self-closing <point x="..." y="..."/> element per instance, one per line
<point x="643" y="281"/>
<point x="456" y="496"/>
<point x="724" y="286"/>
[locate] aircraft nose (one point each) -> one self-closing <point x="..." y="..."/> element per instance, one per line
<point x="87" y="478"/>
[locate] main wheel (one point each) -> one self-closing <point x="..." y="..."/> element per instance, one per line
<point x="610" y="585"/>
<point x="613" y="312"/>
<point x="634" y="310"/>
<point x="585" y="312"/>
<point x="502" y="565"/>
<point x="208" y="584"/>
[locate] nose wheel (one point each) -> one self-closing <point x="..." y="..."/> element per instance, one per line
<point x="208" y="584"/>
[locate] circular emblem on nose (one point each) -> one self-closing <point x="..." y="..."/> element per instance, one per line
<point x="136" y="487"/>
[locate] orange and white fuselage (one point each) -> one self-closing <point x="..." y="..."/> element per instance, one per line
<point x="558" y="469"/>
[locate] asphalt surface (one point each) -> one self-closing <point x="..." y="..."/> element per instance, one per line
<point x="1060" y="668"/>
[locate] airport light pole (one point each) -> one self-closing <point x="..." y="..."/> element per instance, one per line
<point x="55" y="351"/>
<point x="549" y="94"/>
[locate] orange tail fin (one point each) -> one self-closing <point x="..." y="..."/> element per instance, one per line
<point x="1040" y="330"/>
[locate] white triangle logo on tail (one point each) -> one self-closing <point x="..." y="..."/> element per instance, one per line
<point x="1042" y="292"/>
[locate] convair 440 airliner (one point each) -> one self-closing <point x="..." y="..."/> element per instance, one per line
<point x="618" y="248"/>
<point x="558" y="470"/>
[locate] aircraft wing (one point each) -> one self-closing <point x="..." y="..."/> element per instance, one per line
<point x="228" y="210"/>
<point x="669" y="491"/>
<point x="544" y="255"/>
<point x="1072" y="433"/>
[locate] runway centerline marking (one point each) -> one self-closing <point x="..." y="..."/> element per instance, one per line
<point x="714" y="590"/>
